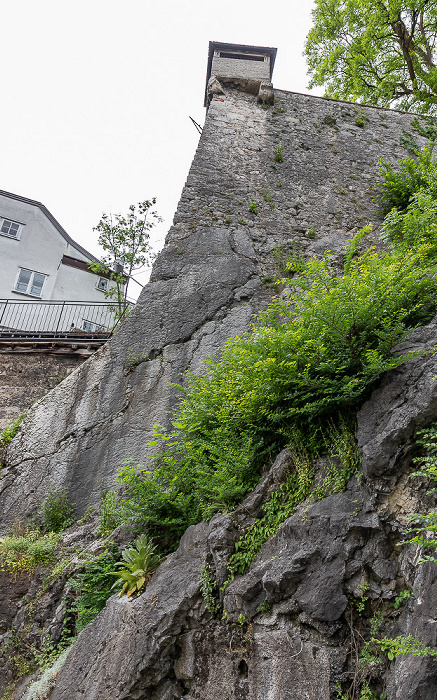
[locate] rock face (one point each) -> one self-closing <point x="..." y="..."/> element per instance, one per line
<point x="288" y="621"/>
<point x="285" y="626"/>
<point x="291" y="626"/>
<point x="238" y="207"/>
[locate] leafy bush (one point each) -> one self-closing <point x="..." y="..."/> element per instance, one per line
<point x="23" y="553"/>
<point x="401" y="181"/>
<point x="10" y="431"/>
<point x="137" y="566"/>
<point x="208" y="589"/>
<point x="192" y="480"/>
<point x="92" y="586"/>
<point x="110" y="514"/>
<point x="57" y="513"/>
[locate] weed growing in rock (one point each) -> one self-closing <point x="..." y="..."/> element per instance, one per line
<point x="404" y="645"/>
<point x="279" y="156"/>
<point x="10" y="431"/>
<point x="401" y="598"/>
<point x="253" y="207"/>
<point x="133" y="360"/>
<point x="288" y="261"/>
<point x="208" y="589"/>
<point x="361" y="118"/>
<point x="110" y="515"/>
<point x="424" y="526"/>
<point x="57" y="512"/>
<point x="264" y="608"/>
<point x="298" y="487"/>
<point x="268" y="197"/>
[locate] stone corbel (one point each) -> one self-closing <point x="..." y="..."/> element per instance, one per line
<point x="265" y="93"/>
<point x="214" y="87"/>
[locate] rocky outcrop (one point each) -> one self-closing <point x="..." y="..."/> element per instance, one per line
<point x="289" y="627"/>
<point x="405" y="401"/>
<point x="285" y="627"/>
<point x="239" y="206"/>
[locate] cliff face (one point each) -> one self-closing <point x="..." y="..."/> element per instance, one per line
<point x="208" y="281"/>
<point x="288" y="628"/>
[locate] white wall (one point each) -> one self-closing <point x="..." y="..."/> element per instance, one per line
<point x="40" y="247"/>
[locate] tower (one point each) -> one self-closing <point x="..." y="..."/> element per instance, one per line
<point x="247" y="68"/>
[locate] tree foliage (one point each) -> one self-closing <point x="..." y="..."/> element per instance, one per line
<point x="381" y="52"/>
<point x="125" y="239"/>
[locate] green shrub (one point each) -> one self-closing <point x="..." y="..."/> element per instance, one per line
<point x="57" y="513"/>
<point x="110" y="514"/>
<point x="11" y="430"/>
<point x="138" y="564"/>
<point x="23" y="553"/>
<point x="92" y="586"/>
<point x="402" y="180"/>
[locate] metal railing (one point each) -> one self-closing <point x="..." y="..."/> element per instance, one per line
<point x="60" y="318"/>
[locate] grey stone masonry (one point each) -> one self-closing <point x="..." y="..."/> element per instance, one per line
<point x="299" y="176"/>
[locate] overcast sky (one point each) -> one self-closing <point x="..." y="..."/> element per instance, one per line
<point x="96" y="96"/>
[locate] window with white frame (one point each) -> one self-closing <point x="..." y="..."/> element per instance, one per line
<point x="102" y="284"/>
<point x="10" y="228"/>
<point x="91" y="327"/>
<point x="30" y="282"/>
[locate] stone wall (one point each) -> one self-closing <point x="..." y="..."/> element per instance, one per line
<point x="25" y="378"/>
<point x="211" y="277"/>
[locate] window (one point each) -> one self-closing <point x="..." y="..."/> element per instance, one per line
<point x="30" y="282"/>
<point x="91" y="327"/>
<point x="243" y="56"/>
<point x="102" y="284"/>
<point x="10" y="228"/>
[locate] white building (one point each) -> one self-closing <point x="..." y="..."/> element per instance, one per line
<point x="41" y="263"/>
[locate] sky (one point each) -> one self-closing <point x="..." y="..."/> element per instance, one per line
<point x="96" y="97"/>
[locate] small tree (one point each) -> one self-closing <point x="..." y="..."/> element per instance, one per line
<point x="126" y="242"/>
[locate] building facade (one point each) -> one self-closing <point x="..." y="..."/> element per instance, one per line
<point x="38" y="259"/>
<point x="42" y="268"/>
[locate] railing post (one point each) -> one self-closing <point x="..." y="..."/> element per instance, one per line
<point x="4" y="311"/>
<point x="60" y="315"/>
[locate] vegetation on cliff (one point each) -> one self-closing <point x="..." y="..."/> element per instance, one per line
<point x="308" y="361"/>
